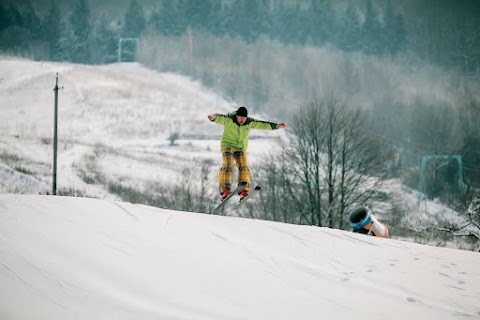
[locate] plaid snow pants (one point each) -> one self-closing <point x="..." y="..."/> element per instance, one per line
<point x="226" y="171"/>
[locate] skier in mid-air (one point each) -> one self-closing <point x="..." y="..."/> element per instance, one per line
<point x="234" y="145"/>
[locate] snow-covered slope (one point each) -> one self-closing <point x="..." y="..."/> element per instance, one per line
<point x="107" y="104"/>
<point x="114" y="126"/>
<point x="79" y="258"/>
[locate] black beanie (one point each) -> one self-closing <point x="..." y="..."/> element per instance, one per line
<point x="242" y="112"/>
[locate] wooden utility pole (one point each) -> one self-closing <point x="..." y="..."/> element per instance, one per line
<point x="54" y="191"/>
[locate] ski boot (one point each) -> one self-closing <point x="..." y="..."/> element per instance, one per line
<point x="243" y="194"/>
<point x="225" y="194"/>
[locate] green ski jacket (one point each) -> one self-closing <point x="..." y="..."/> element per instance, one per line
<point x="236" y="136"/>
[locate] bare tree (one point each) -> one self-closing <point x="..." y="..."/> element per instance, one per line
<point x="473" y="214"/>
<point x="279" y="199"/>
<point x="305" y="157"/>
<point x="355" y="161"/>
<point x="465" y="45"/>
<point x="333" y="162"/>
<point x="363" y="164"/>
<point x="469" y="114"/>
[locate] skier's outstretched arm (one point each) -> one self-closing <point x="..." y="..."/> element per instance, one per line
<point x="219" y="118"/>
<point x="265" y="125"/>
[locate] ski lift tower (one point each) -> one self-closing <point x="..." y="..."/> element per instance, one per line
<point x="121" y="41"/>
<point x="425" y="159"/>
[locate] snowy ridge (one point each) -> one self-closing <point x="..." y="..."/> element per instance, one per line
<point x="80" y="258"/>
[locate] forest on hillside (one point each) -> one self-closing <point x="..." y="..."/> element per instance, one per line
<point x="441" y="32"/>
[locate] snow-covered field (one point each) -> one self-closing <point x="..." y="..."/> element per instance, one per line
<point x="78" y="258"/>
<point x="114" y="120"/>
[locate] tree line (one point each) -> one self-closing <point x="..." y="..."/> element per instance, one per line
<point x="75" y="36"/>
<point x="371" y="27"/>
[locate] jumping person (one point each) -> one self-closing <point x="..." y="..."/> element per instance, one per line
<point x="234" y="145"/>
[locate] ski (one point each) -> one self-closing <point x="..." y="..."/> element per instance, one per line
<point x="224" y="201"/>
<point x="255" y="190"/>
